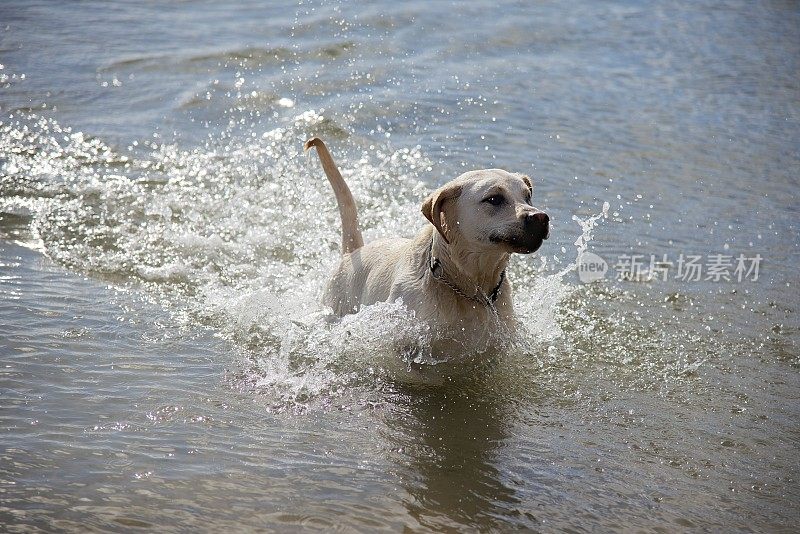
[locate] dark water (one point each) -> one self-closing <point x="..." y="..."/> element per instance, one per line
<point x="164" y="244"/>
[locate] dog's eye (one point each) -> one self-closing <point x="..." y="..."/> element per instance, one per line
<point x="495" y="200"/>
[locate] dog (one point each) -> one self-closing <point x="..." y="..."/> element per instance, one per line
<point x="452" y="274"/>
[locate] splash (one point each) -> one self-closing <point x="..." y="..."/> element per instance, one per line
<point x="587" y="232"/>
<point x="240" y="235"/>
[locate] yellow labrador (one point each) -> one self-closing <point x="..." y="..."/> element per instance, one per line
<point x="453" y="273"/>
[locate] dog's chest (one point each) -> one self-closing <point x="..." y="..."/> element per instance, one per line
<point x="470" y="321"/>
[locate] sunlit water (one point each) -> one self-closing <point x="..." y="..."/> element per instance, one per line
<point x="164" y="244"/>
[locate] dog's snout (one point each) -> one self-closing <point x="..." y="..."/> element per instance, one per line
<point x="539" y="222"/>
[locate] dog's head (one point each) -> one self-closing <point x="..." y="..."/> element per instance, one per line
<point x="488" y="209"/>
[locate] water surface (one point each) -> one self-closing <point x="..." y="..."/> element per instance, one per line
<point x="164" y="244"/>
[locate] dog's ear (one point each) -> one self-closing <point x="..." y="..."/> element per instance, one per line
<point x="527" y="182"/>
<point x="434" y="205"/>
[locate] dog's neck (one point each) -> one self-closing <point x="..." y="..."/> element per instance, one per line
<point x="469" y="269"/>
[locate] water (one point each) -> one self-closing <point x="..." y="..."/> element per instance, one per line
<point x="164" y="244"/>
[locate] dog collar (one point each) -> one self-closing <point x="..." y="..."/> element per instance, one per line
<point x="480" y="296"/>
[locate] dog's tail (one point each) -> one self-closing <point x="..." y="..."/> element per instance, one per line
<point x="351" y="235"/>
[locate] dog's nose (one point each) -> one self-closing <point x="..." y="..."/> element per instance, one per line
<point x="538" y="221"/>
<point x="540" y="217"/>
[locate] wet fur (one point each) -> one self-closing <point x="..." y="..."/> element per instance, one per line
<point x="471" y="239"/>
